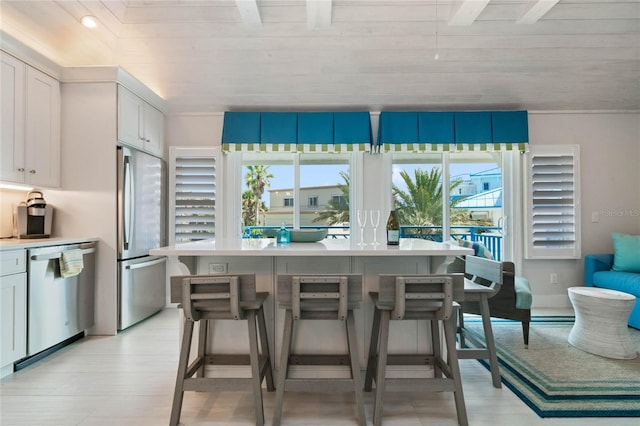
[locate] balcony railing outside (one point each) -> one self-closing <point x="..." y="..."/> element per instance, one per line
<point x="490" y="236"/>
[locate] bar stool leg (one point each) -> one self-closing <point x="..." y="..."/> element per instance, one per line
<point x="452" y="357"/>
<point x="183" y="362"/>
<point x="461" y="329"/>
<point x="435" y="347"/>
<point x="355" y="367"/>
<point x="203" y="328"/>
<point x="491" y="346"/>
<point x="283" y="367"/>
<point x="373" y="351"/>
<point x="385" y="316"/>
<point x="264" y="344"/>
<point x="255" y="367"/>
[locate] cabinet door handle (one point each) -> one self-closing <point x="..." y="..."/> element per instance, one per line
<point x="33" y="172"/>
<point x="21" y="169"/>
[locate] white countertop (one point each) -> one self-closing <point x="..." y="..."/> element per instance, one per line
<point x="326" y="247"/>
<point x="26" y="243"/>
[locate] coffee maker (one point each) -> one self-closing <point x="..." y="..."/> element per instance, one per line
<point x="32" y="218"/>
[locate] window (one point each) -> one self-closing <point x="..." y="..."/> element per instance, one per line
<point x="475" y="210"/>
<point x="192" y="198"/>
<point x="272" y="181"/>
<point x="553" y="216"/>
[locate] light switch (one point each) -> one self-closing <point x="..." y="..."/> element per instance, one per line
<point x="595" y="217"/>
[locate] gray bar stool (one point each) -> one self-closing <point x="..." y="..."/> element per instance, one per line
<point x="221" y="297"/>
<point x="320" y="297"/>
<point x="484" y="279"/>
<point x="416" y="297"/>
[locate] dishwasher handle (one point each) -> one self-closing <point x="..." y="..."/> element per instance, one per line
<point x="86" y="249"/>
<point x="146" y="264"/>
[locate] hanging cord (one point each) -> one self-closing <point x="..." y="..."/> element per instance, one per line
<point x="437" y="55"/>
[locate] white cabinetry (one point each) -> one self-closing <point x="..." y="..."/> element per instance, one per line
<point x="30" y="144"/>
<point x="13" y="312"/>
<point x="139" y="124"/>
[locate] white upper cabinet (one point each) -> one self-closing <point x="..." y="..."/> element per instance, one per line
<point x="140" y="125"/>
<point x="30" y="125"/>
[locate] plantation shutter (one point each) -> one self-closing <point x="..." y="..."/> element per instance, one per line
<point x="192" y="194"/>
<point x="553" y="202"/>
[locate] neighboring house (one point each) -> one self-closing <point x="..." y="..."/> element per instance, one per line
<point x="312" y="199"/>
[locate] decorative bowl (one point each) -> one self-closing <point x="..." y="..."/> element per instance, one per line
<point x="307" y="235"/>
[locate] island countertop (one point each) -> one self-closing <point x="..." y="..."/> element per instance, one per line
<point x="326" y="247"/>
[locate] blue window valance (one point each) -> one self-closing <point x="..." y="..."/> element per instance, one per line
<point x="297" y="131"/>
<point x="424" y="131"/>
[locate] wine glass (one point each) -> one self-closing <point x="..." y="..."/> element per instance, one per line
<point x="362" y="222"/>
<point x="375" y="221"/>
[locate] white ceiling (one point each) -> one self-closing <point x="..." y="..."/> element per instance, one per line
<point x="219" y="55"/>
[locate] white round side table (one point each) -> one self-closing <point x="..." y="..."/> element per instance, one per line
<point x="601" y="327"/>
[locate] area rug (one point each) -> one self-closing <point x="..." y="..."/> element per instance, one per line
<point x="556" y="379"/>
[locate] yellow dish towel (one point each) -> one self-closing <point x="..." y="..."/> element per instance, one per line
<point x="71" y="263"/>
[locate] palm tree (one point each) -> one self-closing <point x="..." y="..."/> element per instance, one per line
<point x="337" y="209"/>
<point x="257" y="179"/>
<point x="421" y="204"/>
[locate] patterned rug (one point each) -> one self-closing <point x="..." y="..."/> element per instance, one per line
<point x="556" y="379"/>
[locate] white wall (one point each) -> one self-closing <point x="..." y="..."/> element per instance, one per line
<point x="610" y="181"/>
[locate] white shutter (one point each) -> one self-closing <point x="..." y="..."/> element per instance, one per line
<point x="553" y="202"/>
<point x="192" y="184"/>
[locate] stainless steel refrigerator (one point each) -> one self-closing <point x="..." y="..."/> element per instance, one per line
<point x="141" y="200"/>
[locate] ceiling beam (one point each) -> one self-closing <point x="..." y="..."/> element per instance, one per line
<point x="467" y="11"/>
<point x="249" y="13"/>
<point x="319" y="14"/>
<point x="536" y="10"/>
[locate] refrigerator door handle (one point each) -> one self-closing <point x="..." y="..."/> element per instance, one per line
<point x="146" y="264"/>
<point x="127" y="202"/>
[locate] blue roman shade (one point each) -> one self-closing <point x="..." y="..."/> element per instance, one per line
<point x="297" y="131"/>
<point x="452" y="131"/>
<point x="279" y="129"/>
<point x="241" y="130"/>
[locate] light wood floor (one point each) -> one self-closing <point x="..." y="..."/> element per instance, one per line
<point x="128" y="379"/>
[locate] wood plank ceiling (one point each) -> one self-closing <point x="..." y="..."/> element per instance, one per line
<point x="219" y="55"/>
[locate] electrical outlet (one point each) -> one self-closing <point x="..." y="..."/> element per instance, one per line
<point x="217" y="268"/>
<point x="553" y="278"/>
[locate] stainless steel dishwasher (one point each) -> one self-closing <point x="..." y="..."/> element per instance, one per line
<point x="58" y="308"/>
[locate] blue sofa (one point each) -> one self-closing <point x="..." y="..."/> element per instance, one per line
<point x="598" y="273"/>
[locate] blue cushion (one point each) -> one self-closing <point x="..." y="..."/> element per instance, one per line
<point x="479" y="249"/>
<point x="627" y="252"/>
<point x="627" y="282"/>
<point x="524" y="298"/>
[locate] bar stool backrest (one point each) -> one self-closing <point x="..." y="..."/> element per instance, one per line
<point x="420" y="296"/>
<point x="216" y="296"/>
<point x="489" y="273"/>
<point x="319" y="296"/>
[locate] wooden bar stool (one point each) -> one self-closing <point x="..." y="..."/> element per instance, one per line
<point x="324" y="297"/>
<point x="416" y="297"/>
<point x="222" y="297"/>
<point x="484" y="279"/>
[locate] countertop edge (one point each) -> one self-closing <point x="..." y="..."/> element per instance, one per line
<point x="22" y="244"/>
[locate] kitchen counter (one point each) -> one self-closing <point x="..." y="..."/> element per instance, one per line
<point x="27" y="243"/>
<point x="326" y="247"/>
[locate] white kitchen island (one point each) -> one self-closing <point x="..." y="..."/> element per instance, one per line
<point x="266" y="260"/>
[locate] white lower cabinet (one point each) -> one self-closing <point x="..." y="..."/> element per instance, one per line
<point x="13" y="309"/>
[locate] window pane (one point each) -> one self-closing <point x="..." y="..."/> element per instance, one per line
<point x="417" y="189"/>
<point x="268" y="189"/>
<point x="476" y="198"/>
<point x="325" y="179"/>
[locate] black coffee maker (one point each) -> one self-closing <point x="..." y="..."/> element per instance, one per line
<point x="32" y="218"/>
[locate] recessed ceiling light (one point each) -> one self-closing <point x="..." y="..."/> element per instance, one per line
<point x="89" y="21"/>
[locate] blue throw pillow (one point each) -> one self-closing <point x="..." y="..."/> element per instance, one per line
<point x="479" y="249"/>
<point x="626" y="257"/>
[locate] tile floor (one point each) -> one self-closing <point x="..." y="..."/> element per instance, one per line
<point x="128" y="379"/>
